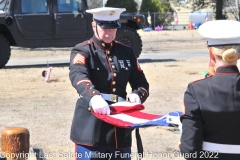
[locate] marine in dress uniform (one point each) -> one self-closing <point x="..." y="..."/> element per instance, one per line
<point x="100" y="70"/>
<point x="211" y="123"/>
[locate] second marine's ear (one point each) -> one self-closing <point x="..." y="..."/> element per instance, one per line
<point x="211" y="55"/>
<point x="239" y="57"/>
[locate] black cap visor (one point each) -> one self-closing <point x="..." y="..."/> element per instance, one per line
<point x="108" y="24"/>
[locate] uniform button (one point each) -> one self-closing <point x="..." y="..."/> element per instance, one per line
<point x="113" y="82"/>
<point x="113" y="66"/>
<point x="97" y="68"/>
<point x="114" y="74"/>
<point x="110" y="59"/>
<point x="111" y="44"/>
<point x="103" y="44"/>
<point x="88" y="84"/>
<point x="114" y="89"/>
<point x="108" y="52"/>
<point x="126" y="68"/>
<point x="89" y="108"/>
<point x="93" y="92"/>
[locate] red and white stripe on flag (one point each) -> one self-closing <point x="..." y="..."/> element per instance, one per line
<point x="47" y="74"/>
<point x="79" y="59"/>
<point x="175" y="17"/>
<point x="130" y="115"/>
<point x="206" y="18"/>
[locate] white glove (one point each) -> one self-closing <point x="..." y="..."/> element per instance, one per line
<point x="99" y="105"/>
<point x="133" y="98"/>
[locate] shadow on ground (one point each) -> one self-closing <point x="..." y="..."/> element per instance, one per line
<point x="155" y="60"/>
<point x="67" y="64"/>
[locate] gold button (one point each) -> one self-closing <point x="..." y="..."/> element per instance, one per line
<point x="110" y="59"/>
<point x="114" y="74"/>
<point x="126" y="68"/>
<point x="113" y="66"/>
<point x="113" y="82"/>
<point x="89" y="108"/>
<point x="114" y="89"/>
<point x="103" y="44"/>
<point x="108" y="52"/>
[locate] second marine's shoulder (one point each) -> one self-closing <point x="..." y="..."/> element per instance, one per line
<point x="201" y="80"/>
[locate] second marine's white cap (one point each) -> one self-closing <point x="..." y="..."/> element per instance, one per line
<point x="221" y="32"/>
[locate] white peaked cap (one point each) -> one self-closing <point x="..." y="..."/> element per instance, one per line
<point x="106" y="13"/>
<point x="221" y="32"/>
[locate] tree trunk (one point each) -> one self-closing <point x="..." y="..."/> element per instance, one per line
<point x="219" y="9"/>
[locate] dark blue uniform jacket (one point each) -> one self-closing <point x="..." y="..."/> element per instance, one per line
<point x="212" y="114"/>
<point x="96" y="68"/>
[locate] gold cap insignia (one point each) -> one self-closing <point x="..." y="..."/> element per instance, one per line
<point x="112" y="13"/>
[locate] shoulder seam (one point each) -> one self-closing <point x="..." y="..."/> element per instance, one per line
<point x="200" y="79"/>
<point x="122" y="44"/>
<point x="84" y="43"/>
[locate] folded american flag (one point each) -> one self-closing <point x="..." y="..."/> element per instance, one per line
<point x="130" y="115"/>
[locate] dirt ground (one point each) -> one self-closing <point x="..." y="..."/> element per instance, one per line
<point x="46" y="109"/>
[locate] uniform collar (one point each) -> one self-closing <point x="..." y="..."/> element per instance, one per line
<point x="228" y="69"/>
<point x="102" y="44"/>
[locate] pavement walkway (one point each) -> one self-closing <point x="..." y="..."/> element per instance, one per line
<point x="146" y="56"/>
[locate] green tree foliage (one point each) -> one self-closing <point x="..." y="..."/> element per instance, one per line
<point x="161" y="11"/>
<point x="217" y="6"/>
<point x="130" y="5"/>
<point x="155" y="6"/>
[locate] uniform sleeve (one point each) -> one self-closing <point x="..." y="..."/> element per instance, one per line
<point x="79" y="72"/>
<point x="192" y="132"/>
<point x="138" y="81"/>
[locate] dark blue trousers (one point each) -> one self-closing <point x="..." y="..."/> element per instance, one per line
<point x="95" y="153"/>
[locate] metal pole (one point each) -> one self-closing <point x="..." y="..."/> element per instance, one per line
<point x="154" y="20"/>
<point x="238" y="10"/>
<point x="103" y="3"/>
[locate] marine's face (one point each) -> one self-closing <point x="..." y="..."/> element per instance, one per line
<point x="106" y="35"/>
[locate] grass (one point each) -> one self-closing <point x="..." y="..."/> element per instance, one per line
<point x="46" y="109"/>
